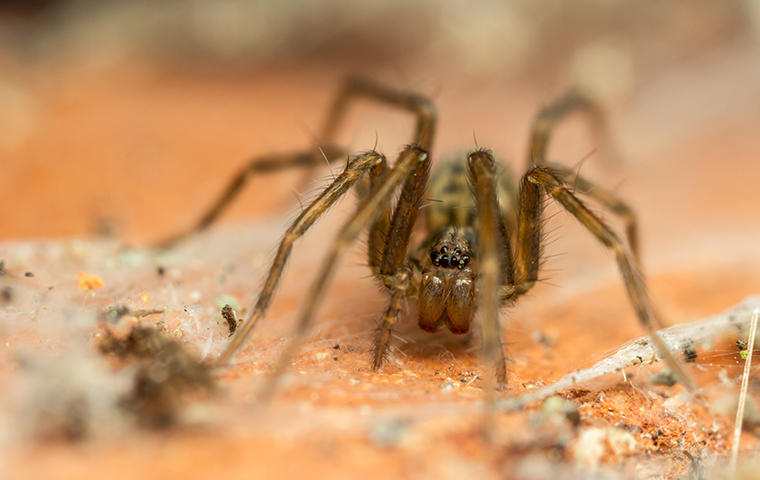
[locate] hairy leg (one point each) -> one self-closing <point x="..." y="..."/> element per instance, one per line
<point x="257" y="166"/>
<point x="407" y="164"/>
<point x="384" y="231"/>
<point x="494" y="268"/>
<point x="355" y="169"/>
<point x="607" y="199"/>
<point x="390" y="232"/>
<point x="543" y="126"/>
<point x="543" y="178"/>
<point x="353" y="88"/>
<point x="358" y="87"/>
<point x="393" y="270"/>
<point x="548" y="118"/>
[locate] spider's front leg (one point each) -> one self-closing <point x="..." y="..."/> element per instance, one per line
<point x="543" y="127"/>
<point x="496" y="278"/>
<point x="389" y="234"/>
<point x="384" y="182"/>
<point x="546" y="179"/>
<point x="412" y="162"/>
<point x="355" y="169"/>
<point x="388" y="246"/>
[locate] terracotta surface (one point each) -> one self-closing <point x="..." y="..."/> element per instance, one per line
<point x="129" y="153"/>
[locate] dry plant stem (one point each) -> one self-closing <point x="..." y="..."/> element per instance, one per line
<point x="743" y="395"/>
<point x="639" y="351"/>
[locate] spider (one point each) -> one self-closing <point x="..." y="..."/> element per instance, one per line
<point x="477" y="258"/>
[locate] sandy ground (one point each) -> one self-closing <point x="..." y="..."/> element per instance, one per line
<point x="109" y="159"/>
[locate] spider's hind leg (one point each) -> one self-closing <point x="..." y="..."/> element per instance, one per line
<point x="548" y="118"/>
<point x="353" y="88"/>
<point x="257" y="166"/>
<point x="543" y="127"/>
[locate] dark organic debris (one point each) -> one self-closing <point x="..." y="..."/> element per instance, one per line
<point x="229" y="315"/>
<point x="165" y="373"/>
<point x="689" y="353"/>
<point x="664" y="377"/>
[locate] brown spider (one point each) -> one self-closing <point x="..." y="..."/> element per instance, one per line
<point x="468" y="260"/>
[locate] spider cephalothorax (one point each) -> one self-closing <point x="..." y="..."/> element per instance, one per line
<point x="485" y="235"/>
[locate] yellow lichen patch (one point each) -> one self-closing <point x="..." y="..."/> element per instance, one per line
<point x="86" y="281"/>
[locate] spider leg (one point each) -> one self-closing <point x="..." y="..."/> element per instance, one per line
<point x="606" y="199"/>
<point x="389" y="234"/>
<point x="417" y="104"/>
<point x="378" y="231"/>
<point x="261" y="165"/>
<point x="381" y="180"/>
<point x="409" y="163"/>
<point x="495" y="268"/>
<point x="547" y="119"/>
<point x="391" y="267"/>
<point x="400" y="285"/>
<point x="544" y="124"/>
<point x="528" y="251"/>
<point x="353" y="87"/>
<point x="355" y="169"/>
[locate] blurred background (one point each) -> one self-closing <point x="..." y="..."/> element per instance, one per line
<point x="126" y="117"/>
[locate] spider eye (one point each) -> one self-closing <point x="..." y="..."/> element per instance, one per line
<point x="463" y="262"/>
<point x="444" y="250"/>
<point x="436" y="258"/>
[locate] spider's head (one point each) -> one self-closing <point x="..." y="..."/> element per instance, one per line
<point x="447" y="291"/>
